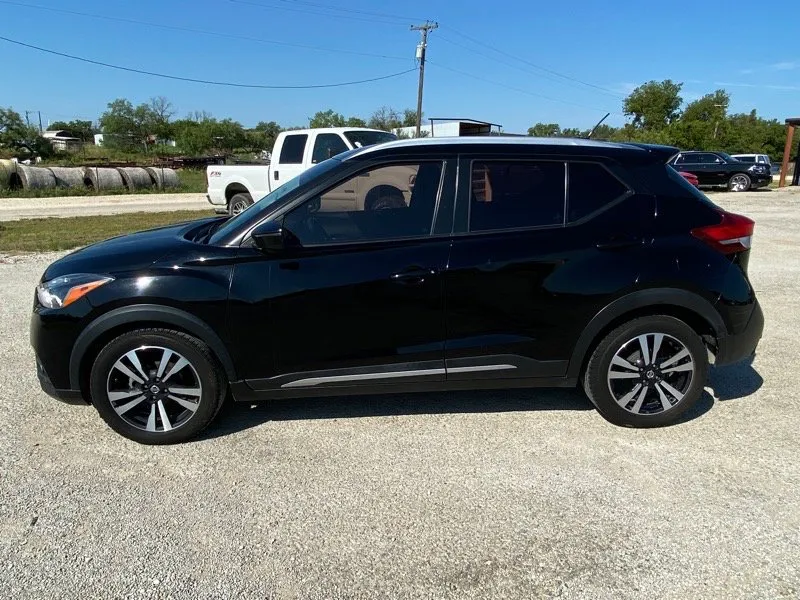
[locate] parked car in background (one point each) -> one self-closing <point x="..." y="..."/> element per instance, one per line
<point x="690" y="177"/>
<point x="232" y="188"/>
<point x="717" y="169"/>
<point x="491" y="277"/>
<point x="759" y="159"/>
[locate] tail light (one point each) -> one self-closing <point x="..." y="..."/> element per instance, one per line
<point x="733" y="234"/>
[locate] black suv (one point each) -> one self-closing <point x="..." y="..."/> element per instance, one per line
<point x="509" y="263"/>
<point x="717" y="169"/>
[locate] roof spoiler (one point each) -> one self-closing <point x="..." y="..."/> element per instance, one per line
<point x="657" y="151"/>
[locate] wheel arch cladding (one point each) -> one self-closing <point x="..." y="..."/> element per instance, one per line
<point x="121" y="320"/>
<point x="694" y="310"/>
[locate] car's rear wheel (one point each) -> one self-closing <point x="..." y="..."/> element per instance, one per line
<point x="157" y="386"/>
<point x="647" y="372"/>
<point x="239" y="203"/>
<point x="739" y="183"/>
<point x="384" y="197"/>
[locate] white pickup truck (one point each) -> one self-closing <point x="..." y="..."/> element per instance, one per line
<point x="232" y="188"/>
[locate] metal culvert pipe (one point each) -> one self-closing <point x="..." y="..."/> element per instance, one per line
<point x="6" y="169"/>
<point x="164" y="177"/>
<point x="136" y="178"/>
<point x="68" y="177"/>
<point x="35" y="178"/>
<point x="102" y="178"/>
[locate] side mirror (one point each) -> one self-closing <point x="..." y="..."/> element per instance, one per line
<point x="269" y="236"/>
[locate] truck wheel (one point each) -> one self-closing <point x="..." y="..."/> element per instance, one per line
<point x="739" y="183"/>
<point x="383" y="197"/>
<point x="239" y="203"/>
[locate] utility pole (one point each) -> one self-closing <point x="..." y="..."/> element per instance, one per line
<point x="421" y="48"/>
<point x="40" y="121"/>
<point x="27" y="120"/>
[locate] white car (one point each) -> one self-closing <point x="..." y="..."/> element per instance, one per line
<point x="757" y="159"/>
<point x="232" y="188"/>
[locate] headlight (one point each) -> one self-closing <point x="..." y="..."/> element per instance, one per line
<point x="63" y="291"/>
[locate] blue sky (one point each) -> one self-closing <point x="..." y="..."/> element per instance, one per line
<point x="513" y="62"/>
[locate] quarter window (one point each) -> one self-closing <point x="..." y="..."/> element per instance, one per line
<point x="293" y="148"/>
<point x="518" y="194"/>
<point x="388" y="202"/>
<point x="591" y="187"/>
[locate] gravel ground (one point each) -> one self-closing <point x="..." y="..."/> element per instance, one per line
<point x="13" y="209"/>
<point x="518" y="494"/>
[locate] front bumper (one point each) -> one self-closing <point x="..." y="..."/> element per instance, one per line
<point x="733" y="348"/>
<point x="759" y="180"/>
<point x="68" y="396"/>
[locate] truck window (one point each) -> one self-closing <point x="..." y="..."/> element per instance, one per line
<point x="293" y="148"/>
<point x="326" y="146"/>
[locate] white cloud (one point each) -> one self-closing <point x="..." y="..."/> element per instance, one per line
<point x="746" y="71"/>
<point x="784" y="66"/>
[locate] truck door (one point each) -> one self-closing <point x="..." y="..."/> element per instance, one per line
<point x="290" y="159"/>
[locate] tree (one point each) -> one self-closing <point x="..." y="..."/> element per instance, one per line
<point x="327" y="118"/>
<point x="410" y="117"/>
<point x="269" y="131"/>
<point x="385" y="118"/>
<point x="355" y="122"/>
<point x="654" y="105"/>
<point x="160" y="113"/>
<point x="545" y="130"/>
<point x="79" y="129"/>
<point x="12" y="128"/>
<point x="20" y="138"/>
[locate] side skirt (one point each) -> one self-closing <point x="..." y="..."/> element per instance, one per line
<point x="242" y="392"/>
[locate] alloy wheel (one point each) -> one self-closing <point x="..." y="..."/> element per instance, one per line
<point x="739" y="183"/>
<point x="154" y="389"/>
<point x="650" y="374"/>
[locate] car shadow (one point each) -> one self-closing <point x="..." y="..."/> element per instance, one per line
<point x="728" y="383"/>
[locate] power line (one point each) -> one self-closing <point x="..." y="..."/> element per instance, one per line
<point x="531" y="64"/>
<point x="205" y="81"/>
<point x="516" y="89"/>
<point x="354" y="10"/>
<point x="510" y="64"/>
<point x="309" y="11"/>
<point x="200" y="31"/>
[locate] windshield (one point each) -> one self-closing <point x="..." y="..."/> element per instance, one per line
<point x="747" y="159"/>
<point x="256" y="210"/>
<point x="359" y="139"/>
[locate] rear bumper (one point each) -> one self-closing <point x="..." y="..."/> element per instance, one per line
<point x="734" y="348"/>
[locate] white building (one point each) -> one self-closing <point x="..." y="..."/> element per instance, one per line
<point x="441" y="127"/>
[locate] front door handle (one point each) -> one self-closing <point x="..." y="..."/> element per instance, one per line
<point x="412" y="276"/>
<point x="618" y="242"/>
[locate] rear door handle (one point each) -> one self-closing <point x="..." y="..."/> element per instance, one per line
<point x="275" y="175"/>
<point x="620" y="241"/>
<point x="412" y="276"/>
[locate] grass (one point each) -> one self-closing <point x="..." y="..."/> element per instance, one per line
<point x="43" y="235"/>
<point x="192" y="181"/>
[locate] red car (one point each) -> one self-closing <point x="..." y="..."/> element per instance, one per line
<point x="690" y="177"/>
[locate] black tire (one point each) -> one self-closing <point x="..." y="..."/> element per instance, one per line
<point x="383" y="197"/>
<point x="739" y="182"/>
<point x="238" y="203"/>
<point x="210" y="386"/>
<point x="677" y="336"/>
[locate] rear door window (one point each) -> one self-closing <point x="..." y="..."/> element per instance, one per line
<point x="326" y="146"/>
<point x="516" y="194"/>
<point x="591" y="188"/>
<point x="294" y="146"/>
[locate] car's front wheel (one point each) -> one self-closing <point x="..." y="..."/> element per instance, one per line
<point x="647" y="372"/>
<point x="157" y="386"/>
<point x="739" y="183"/>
